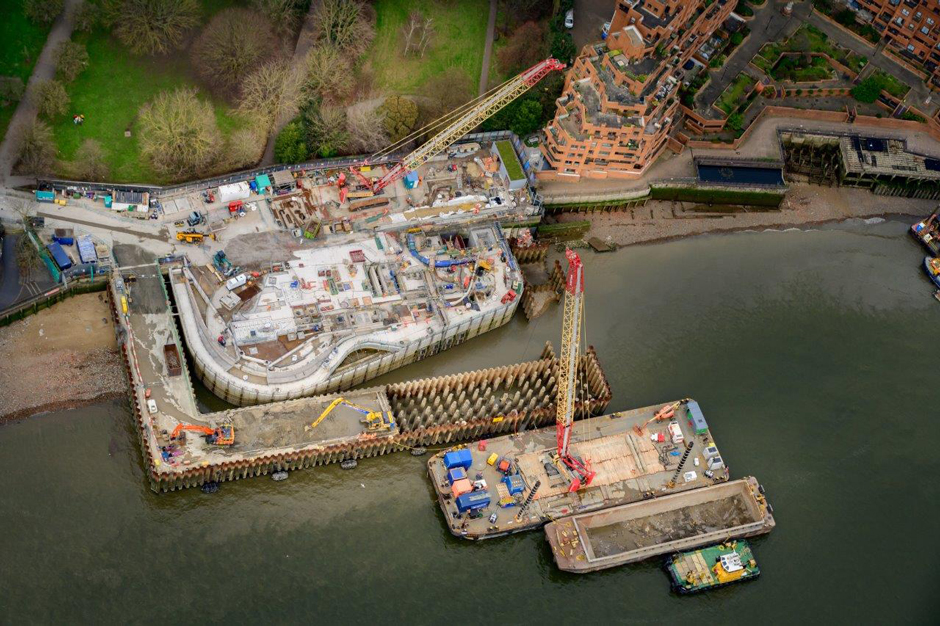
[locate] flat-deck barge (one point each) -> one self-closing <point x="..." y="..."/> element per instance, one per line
<point x="634" y="458"/>
<point x="638" y="531"/>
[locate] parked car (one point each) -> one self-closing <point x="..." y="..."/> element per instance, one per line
<point x="569" y="19"/>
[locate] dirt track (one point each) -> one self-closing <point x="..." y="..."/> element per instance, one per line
<point x="62" y="357"/>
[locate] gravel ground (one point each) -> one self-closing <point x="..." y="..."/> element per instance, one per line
<point x="62" y="357"/>
<point x="804" y="204"/>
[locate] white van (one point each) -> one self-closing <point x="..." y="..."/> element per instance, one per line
<point x="569" y="19"/>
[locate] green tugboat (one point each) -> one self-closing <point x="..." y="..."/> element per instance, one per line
<point x="712" y="567"/>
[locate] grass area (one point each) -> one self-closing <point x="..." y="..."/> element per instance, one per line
<point x="508" y="156"/>
<point x="110" y="93"/>
<point x="22" y="43"/>
<point x="735" y="93"/>
<point x="807" y="39"/>
<point x="891" y="84"/>
<point x="459" y="39"/>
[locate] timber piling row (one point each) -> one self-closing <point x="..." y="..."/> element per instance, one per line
<point x="430" y="412"/>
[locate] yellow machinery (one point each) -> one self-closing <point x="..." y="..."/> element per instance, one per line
<point x="375" y="421"/>
<point x="192" y="236"/>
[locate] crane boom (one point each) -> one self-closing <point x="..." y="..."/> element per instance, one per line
<point x="568" y="368"/>
<point x="570" y="347"/>
<point x="469" y="120"/>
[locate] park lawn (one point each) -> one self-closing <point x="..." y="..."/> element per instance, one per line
<point x="110" y="93"/>
<point x="459" y="39"/>
<point x="734" y="94"/>
<point x="22" y="43"/>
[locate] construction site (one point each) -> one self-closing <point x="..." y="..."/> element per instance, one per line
<point x="339" y="299"/>
<point x="335" y="315"/>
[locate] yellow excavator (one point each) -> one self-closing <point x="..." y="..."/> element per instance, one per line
<point x="191" y="236"/>
<point x="375" y="421"/>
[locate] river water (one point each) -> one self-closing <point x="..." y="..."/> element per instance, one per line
<point x="811" y="353"/>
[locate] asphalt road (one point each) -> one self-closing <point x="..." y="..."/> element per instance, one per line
<point x="10" y="276"/>
<point x="589" y="18"/>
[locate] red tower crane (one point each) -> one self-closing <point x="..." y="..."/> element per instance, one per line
<point x="458" y="123"/>
<point x="568" y="369"/>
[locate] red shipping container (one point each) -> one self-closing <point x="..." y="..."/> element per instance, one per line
<point x="461" y="487"/>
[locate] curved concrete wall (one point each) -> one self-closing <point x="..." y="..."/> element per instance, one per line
<point x="213" y="372"/>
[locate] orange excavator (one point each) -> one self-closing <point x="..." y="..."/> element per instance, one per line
<point x="665" y="413"/>
<point x="224" y="435"/>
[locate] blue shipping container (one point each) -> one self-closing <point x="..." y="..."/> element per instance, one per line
<point x="515" y="484"/>
<point x="45" y="196"/>
<point x="473" y="500"/>
<point x="458" y="473"/>
<point x="59" y="255"/>
<point x="458" y="458"/>
<point x="696" y="418"/>
<point x="86" y="250"/>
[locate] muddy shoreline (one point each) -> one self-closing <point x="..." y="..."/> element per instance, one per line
<point x="62" y="357"/>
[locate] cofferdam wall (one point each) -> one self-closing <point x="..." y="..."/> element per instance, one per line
<point x="215" y="375"/>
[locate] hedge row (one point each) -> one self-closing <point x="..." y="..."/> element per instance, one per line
<point x="717" y="196"/>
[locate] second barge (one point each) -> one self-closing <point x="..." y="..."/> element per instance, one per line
<point x="638" y="531"/>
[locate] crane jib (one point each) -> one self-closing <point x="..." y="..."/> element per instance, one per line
<point x="469" y="120"/>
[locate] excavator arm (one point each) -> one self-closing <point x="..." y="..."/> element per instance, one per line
<point x="223" y="435"/>
<point x="375" y="420"/>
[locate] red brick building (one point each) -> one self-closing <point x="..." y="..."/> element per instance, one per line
<point x="619" y="102"/>
<point x="912" y="29"/>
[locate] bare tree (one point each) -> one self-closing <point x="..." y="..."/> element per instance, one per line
<point x="365" y="128"/>
<point x="178" y="134"/>
<point x="26" y="254"/>
<point x="427" y="31"/>
<point x="42" y="11"/>
<point x="526" y="47"/>
<point x="90" y="161"/>
<point x="233" y="43"/>
<point x="326" y="129"/>
<point x="71" y="59"/>
<point x="410" y="29"/>
<point x="417" y="32"/>
<point x="51" y="99"/>
<point x="244" y="147"/>
<point x="329" y="74"/>
<point x="344" y="24"/>
<point x="37" y="149"/>
<point x="271" y="92"/>
<point x="86" y="17"/>
<point x="11" y="89"/>
<point x="284" y="14"/>
<point x="152" y="26"/>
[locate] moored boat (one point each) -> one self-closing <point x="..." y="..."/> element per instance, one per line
<point x="932" y="267"/>
<point x="712" y="567"/>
